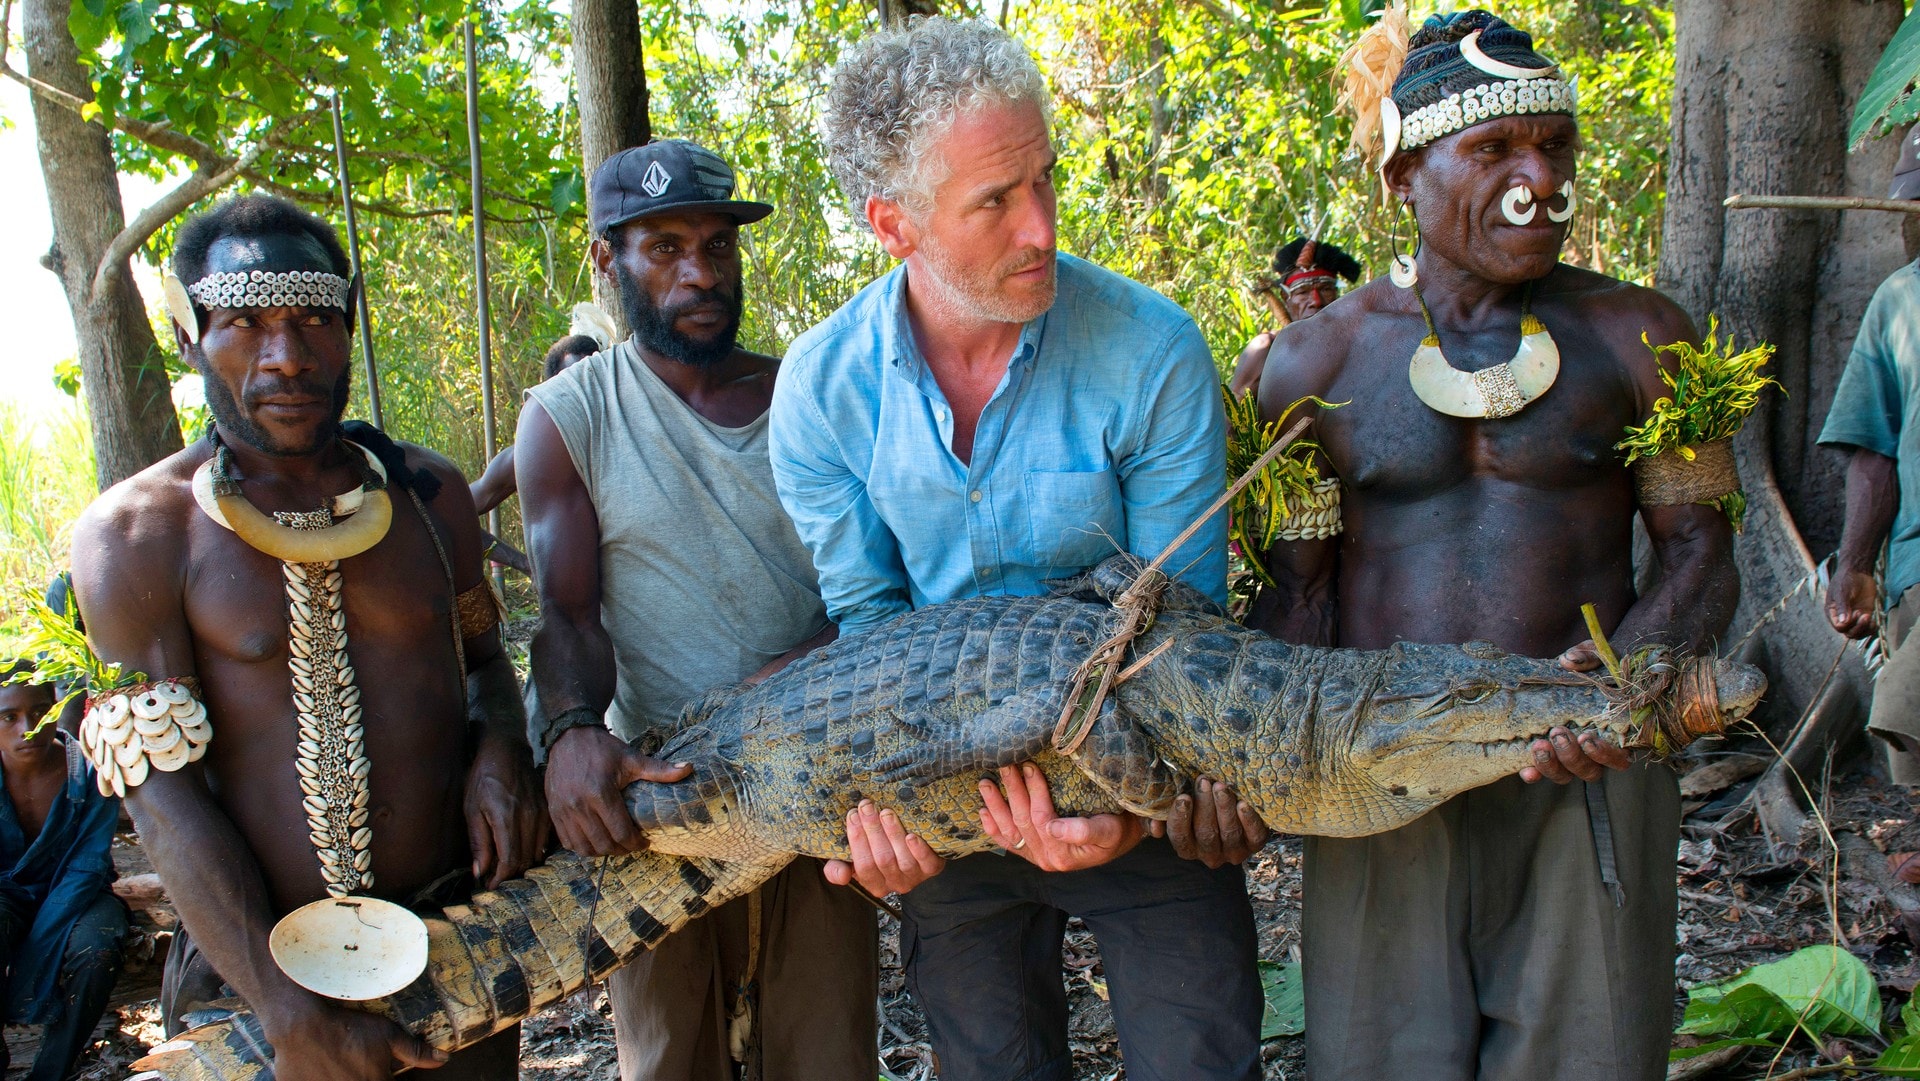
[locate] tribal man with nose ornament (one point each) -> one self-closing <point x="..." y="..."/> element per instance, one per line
<point x="1522" y="930"/>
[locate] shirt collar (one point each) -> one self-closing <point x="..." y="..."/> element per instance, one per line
<point x="903" y="353"/>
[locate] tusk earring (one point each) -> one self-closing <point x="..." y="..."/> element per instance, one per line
<point x="1566" y="212"/>
<point x="1510" y="204"/>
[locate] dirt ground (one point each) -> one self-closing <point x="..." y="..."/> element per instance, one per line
<point x="1741" y="903"/>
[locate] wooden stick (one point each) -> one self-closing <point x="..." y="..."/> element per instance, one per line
<point x="1246" y="478"/>
<point x="1820" y="202"/>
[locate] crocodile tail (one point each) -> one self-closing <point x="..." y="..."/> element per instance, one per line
<point x="503" y="955"/>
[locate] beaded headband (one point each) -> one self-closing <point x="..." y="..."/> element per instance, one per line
<point x="271" y="289"/>
<point x="1302" y="280"/>
<point x="1457" y="112"/>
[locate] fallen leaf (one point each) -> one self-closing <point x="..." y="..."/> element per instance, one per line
<point x="1905" y="866"/>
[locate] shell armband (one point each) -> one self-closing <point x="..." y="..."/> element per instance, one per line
<point x="148" y="726"/>
<point x="1314" y="517"/>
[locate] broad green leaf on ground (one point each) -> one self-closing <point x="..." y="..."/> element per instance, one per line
<point x="1286" y="1009"/>
<point x="1826" y="987"/>
<point x="1902" y="1056"/>
<point x="1887" y="101"/>
<point x="1678" y="1054"/>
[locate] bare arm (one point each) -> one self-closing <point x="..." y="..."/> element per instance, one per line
<point x="131" y="579"/>
<point x="573" y="660"/>
<point x="505" y="810"/>
<point x="1873" y="498"/>
<point x="496" y="484"/>
<point x="1300" y="606"/>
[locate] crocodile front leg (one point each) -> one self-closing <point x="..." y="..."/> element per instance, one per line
<point x="1015" y="730"/>
<point x="1125" y="763"/>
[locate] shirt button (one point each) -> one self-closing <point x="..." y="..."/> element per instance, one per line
<point x="975" y="495"/>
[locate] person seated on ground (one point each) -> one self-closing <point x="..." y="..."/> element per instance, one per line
<point x="1306" y="278"/>
<point x="497" y="482"/>
<point x="214" y="570"/>
<point x="60" y="924"/>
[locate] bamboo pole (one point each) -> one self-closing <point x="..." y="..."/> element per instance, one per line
<point x="353" y="252"/>
<point x="1820" y="202"/>
<point x="480" y="273"/>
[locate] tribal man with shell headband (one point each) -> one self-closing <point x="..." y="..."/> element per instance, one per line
<point x="1524" y="930"/>
<point x="325" y="721"/>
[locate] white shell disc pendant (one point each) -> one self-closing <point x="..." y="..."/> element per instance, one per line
<point x="1492" y="393"/>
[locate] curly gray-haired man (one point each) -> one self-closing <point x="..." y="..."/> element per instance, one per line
<point x="990" y="415"/>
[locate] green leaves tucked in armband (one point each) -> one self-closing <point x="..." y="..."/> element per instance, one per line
<point x="1289" y="499"/>
<point x="1683" y="453"/>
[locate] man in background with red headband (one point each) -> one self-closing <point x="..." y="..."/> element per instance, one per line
<point x="1306" y="278"/>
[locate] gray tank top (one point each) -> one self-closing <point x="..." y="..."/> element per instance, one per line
<point x="702" y="577"/>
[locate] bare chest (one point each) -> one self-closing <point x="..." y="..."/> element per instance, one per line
<point x="1388" y="442"/>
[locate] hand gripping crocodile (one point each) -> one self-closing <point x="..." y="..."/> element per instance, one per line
<point x="1334" y="742"/>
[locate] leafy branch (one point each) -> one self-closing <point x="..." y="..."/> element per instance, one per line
<point x="1258" y="512"/>
<point x="61" y="654"/>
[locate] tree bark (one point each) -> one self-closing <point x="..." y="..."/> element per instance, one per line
<point x="1764" y="92"/>
<point x="610" y="78"/>
<point x="122" y="372"/>
<point x="610" y="83"/>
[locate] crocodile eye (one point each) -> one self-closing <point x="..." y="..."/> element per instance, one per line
<point x="1467" y="696"/>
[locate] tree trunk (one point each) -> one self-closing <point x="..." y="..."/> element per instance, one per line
<point x="1764" y="92"/>
<point x="610" y="82"/>
<point x="121" y="369"/>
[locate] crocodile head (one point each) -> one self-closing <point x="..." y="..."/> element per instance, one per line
<point x="1444" y="719"/>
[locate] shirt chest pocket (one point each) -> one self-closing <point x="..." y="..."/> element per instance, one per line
<point x="1074" y="520"/>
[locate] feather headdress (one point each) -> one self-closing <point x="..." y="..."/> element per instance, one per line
<point x="1367" y="70"/>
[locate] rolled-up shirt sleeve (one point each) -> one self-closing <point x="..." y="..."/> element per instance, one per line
<point x="1179" y="466"/>
<point x="1868" y="404"/>
<point x="862" y="579"/>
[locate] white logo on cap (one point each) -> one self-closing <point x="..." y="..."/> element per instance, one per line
<point x="655" y="181"/>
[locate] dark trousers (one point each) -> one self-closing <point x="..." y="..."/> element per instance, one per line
<point x="88" y="966"/>
<point x="981" y="948"/>
<point x="1482" y="942"/>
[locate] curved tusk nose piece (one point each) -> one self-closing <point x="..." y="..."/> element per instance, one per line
<point x="1566" y="212"/>
<point x="1516" y="198"/>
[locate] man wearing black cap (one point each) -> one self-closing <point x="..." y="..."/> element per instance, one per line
<point x="665" y="568"/>
<point x="1523" y="930"/>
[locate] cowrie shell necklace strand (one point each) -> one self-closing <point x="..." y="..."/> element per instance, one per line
<point x="331" y="757"/>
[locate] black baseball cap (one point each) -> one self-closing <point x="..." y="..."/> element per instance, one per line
<point x="671" y="176"/>
<point x="1906" y="174"/>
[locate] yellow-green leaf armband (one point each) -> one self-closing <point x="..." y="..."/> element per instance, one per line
<point x="1682" y="475"/>
<point x="131" y="731"/>
<point x="1314" y="515"/>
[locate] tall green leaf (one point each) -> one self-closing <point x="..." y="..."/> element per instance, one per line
<point x="1887" y="100"/>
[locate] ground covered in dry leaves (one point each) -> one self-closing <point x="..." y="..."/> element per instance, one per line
<point x="1743" y="901"/>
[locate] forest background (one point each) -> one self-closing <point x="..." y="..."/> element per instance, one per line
<point x="1195" y="136"/>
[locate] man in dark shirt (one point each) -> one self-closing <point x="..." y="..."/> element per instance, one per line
<point x="60" y="926"/>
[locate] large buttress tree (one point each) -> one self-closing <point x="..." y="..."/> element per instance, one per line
<point x="120" y="364"/>
<point x="1765" y="91"/>
<point x="212" y="90"/>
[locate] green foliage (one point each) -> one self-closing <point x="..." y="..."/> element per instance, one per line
<point x="222" y="72"/>
<point x="1887" y="101"/>
<point x="1715" y="386"/>
<point x="1285" y="1013"/>
<point x="1816" y="991"/>
<point x="1258" y="510"/>
<point x="62" y="657"/>
<point x="46" y="479"/>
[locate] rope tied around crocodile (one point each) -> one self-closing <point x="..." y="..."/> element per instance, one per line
<point x="1134" y="611"/>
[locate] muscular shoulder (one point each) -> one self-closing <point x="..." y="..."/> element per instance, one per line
<point x="142" y="517"/>
<point x="1628" y="320"/>
<point x="1309" y="354"/>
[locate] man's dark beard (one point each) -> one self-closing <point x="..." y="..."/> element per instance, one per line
<point x="236" y="424"/>
<point x="653" y="330"/>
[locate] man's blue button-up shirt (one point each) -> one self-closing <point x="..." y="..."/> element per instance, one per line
<point x="1106" y="433"/>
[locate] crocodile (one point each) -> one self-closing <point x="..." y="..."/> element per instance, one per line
<point x="912" y="714"/>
